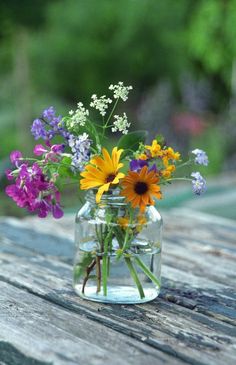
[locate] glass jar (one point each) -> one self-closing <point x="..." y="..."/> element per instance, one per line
<point x="117" y="251"/>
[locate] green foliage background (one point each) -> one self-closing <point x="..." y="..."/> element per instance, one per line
<point x="61" y="51"/>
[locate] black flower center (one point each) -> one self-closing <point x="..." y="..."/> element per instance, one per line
<point x="140" y="188"/>
<point x="110" y="178"/>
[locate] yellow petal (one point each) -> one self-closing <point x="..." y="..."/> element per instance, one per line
<point x="101" y="190"/>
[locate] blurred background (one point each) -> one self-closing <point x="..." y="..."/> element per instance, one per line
<point x="180" y="57"/>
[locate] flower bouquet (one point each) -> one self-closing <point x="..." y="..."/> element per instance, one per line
<point x="118" y="229"/>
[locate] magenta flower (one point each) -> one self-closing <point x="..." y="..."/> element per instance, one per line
<point x="39" y="150"/>
<point x="34" y="191"/>
<point x="14" y="157"/>
<point x="58" y="148"/>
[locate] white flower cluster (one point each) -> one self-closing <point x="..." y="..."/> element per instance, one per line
<point x="120" y="91"/>
<point x="79" y="116"/>
<point x="100" y="104"/>
<point x="121" y="124"/>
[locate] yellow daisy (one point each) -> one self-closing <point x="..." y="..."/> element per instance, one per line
<point x="139" y="187"/>
<point x="103" y="172"/>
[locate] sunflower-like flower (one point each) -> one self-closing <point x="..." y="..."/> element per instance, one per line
<point x="139" y="187"/>
<point x="103" y="172"/>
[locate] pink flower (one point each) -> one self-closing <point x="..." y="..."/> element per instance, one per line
<point x="35" y="192"/>
<point x="39" y="150"/>
<point x="14" y="157"/>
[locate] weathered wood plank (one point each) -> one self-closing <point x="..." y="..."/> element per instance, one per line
<point x="35" y="331"/>
<point x="179" y="284"/>
<point x="194" y="255"/>
<point x="175" y="330"/>
<point x="192" y="320"/>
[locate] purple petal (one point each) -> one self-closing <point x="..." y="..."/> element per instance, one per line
<point x="153" y="168"/>
<point x="14" y="156"/>
<point x="9" y="175"/>
<point x="57" y="212"/>
<point x="39" y="150"/>
<point x="136" y="165"/>
<point x="58" y="148"/>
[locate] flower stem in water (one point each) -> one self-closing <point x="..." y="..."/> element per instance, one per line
<point x="147" y="271"/>
<point x="135" y="276"/>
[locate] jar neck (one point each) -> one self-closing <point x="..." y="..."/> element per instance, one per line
<point x="107" y="199"/>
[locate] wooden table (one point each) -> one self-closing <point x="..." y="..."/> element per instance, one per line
<point x="42" y="321"/>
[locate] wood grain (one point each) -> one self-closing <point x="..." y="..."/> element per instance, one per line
<point x="192" y="322"/>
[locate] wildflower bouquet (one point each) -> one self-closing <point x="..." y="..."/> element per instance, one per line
<point x="131" y="176"/>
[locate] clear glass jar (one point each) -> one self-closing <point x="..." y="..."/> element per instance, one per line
<point x="117" y="251"/>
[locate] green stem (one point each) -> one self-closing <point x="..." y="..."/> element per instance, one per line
<point x="110" y="115"/>
<point x="179" y="178"/>
<point x="105" y="263"/>
<point x="147" y="271"/>
<point x="98" y="272"/>
<point x="184" y="164"/>
<point x="135" y="276"/>
<point x="113" y="109"/>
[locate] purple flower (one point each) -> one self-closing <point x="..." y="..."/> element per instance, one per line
<point x="35" y="192"/>
<point x="39" y="150"/>
<point x="49" y="113"/>
<point x="9" y="175"/>
<point x="58" y="148"/>
<point x="14" y="157"/>
<point x="38" y="129"/>
<point x="153" y="168"/>
<point x="198" y="183"/>
<point x="201" y="157"/>
<point x="136" y="165"/>
<point x="49" y="126"/>
<point x="80" y="147"/>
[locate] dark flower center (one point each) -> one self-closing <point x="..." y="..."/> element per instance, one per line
<point x="140" y="188"/>
<point x="110" y="178"/>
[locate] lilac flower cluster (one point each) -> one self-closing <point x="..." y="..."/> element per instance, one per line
<point x="80" y="147"/>
<point x="48" y="126"/>
<point x="137" y="165"/>
<point x="32" y="189"/>
<point x="201" y="157"/>
<point x="198" y="183"/>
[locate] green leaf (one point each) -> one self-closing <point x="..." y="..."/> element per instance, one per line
<point x="130" y="142"/>
<point x="160" y="139"/>
<point x="65" y="168"/>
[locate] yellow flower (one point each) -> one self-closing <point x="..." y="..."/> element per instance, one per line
<point x="139" y="187"/>
<point x="142" y="219"/>
<point x="155" y="149"/>
<point x="168" y="171"/>
<point x="142" y="156"/>
<point x="103" y="172"/>
<point x="171" y="154"/>
<point x="138" y="225"/>
<point x="123" y="222"/>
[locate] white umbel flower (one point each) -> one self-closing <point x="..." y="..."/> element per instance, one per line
<point x="79" y="116"/>
<point x="120" y="91"/>
<point x="101" y="104"/>
<point x="121" y="124"/>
